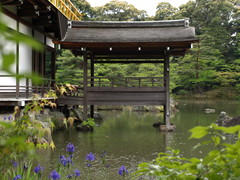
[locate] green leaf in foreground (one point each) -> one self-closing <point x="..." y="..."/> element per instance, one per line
<point x="198" y="132"/>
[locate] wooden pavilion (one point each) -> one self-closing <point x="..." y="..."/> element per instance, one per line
<point x="128" y="42"/>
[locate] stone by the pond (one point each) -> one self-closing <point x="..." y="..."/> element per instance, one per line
<point x="227" y="121"/>
<point x="81" y="127"/>
<point x="162" y="127"/>
<point x="173" y="108"/>
<point x="78" y="114"/>
<point x="155" y="108"/>
<point x="58" y="119"/>
<point x="140" y="108"/>
<point x="119" y="108"/>
<point x="208" y="110"/>
<point x="97" y="116"/>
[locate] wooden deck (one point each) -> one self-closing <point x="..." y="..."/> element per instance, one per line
<point x="126" y="96"/>
<point x="119" y="91"/>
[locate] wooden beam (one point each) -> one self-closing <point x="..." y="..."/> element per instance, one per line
<point x="92" y="84"/>
<point x="14" y="16"/>
<point x="126" y="62"/>
<point x="167" y="93"/>
<point x="85" y="74"/>
<point x="11" y="3"/>
<point x="131" y="57"/>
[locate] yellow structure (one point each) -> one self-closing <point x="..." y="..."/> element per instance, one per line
<point x="67" y="8"/>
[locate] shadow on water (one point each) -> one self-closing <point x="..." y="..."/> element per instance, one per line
<point x="129" y="138"/>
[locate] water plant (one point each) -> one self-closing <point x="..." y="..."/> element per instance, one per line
<point x="89" y="123"/>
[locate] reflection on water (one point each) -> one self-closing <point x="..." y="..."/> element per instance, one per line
<point x="129" y="138"/>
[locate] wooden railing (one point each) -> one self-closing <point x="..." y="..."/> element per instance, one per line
<point x="126" y="81"/>
<point x="67" y="8"/>
<point x="24" y="89"/>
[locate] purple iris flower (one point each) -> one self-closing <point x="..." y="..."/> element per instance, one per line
<point x="122" y="171"/>
<point x="70" y="148"/>
<point x="65" y="160"/>
<point x="9" y="117"/>
<point x="15" y="164"/>
<point x="90" y="157"/>
<point x="54" y="175"/>
<point x="17" y="177"/>
<point x="4" y="118"/>
<point x="38" y="169"/>
<point x="77" y="172"/>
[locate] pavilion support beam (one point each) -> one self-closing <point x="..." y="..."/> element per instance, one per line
<point x="167" y="95"/>
<point x="92" y="84"/>
<point x="85" y="73"/>
<point x="127" y="62"/>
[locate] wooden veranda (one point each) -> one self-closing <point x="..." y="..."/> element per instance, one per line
<point x="128" y="42"/>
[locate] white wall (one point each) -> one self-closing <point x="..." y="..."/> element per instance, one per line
<point x="9" y="47"/>
<point x="25" y="52"/>
<point x="25" y="55"/>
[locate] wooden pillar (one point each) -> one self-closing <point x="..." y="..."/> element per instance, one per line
<point x="167" y="95"/>
<point x="53" y="67"/>
<point x="85" y="73"/>
<point x="92" y="85"/>
<point x="17" y="67"/>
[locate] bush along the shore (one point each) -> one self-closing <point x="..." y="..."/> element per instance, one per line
<point x="221" y="163"/>
<point x="20" y="138"/>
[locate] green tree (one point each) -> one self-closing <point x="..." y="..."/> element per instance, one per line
<point x="119" y="11"/>
<point x="165" y="11"/>
<point x="219" y="19"/>
<point x="85" y="8"/>
<point x="69" y="68"/>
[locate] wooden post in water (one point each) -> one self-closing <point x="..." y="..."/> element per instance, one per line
<point x="92" y="84"/>
<point x="167" y="95"/>
<point x="85" y="73"/>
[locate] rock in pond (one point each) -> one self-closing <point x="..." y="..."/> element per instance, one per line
<point x="162" y="127"/>
<point x="208" y="110"/>
<point x="81" y="127"/>
<point x="227" y="121"/>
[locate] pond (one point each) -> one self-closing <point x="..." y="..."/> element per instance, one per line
<point x="129" y="138"/>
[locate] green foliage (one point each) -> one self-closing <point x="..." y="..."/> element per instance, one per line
<point x="89" y="122"/>
<point x="69" y="68"/>
<point x="165" y="11"/>
<point x="220" y="163"/>
<point x="118" y="11"/>
<point x="85" y="8"/>
<point x="20" y="138"/>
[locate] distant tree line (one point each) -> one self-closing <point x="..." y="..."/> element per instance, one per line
<point x="212" y="63"/>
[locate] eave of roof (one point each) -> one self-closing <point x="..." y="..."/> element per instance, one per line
<point x="125" y="37"/>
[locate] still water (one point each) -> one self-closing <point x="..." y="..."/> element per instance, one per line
<point x="129" y="138"/>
